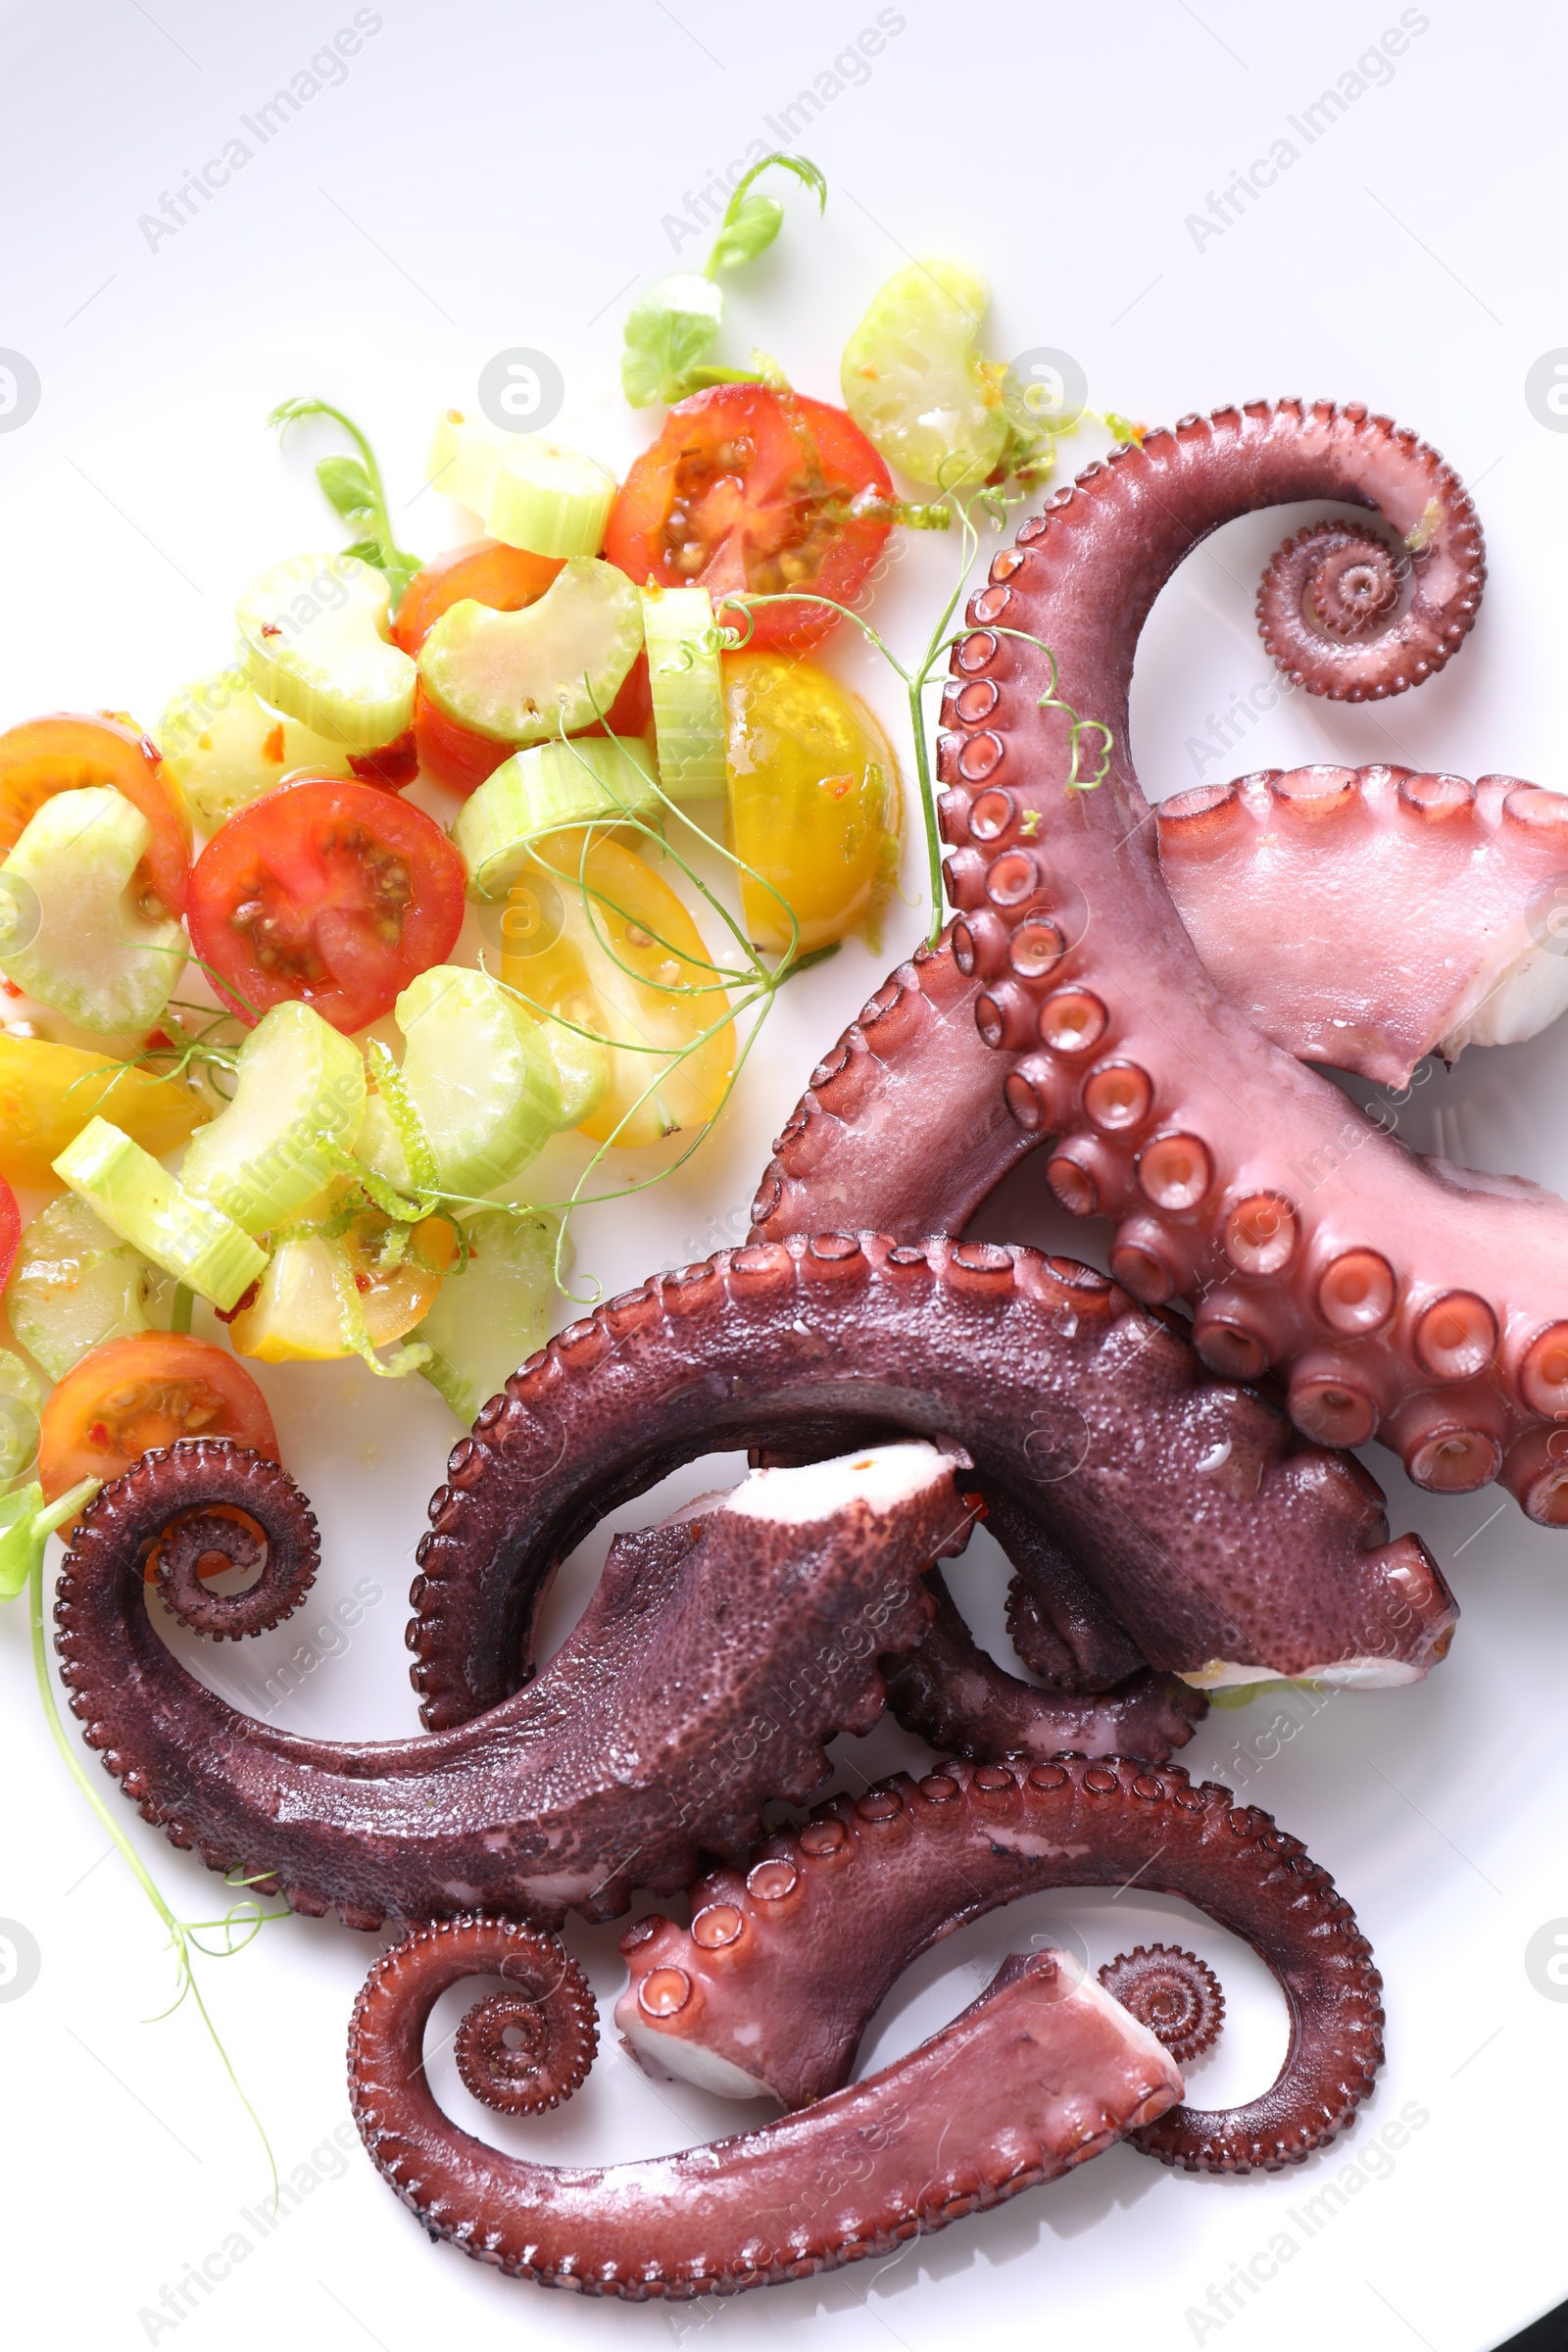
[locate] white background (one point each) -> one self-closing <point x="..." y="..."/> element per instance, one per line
<point x="492" y="176"/>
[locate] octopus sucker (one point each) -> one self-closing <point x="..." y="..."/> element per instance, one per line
<point x="1037" y="2076"/>
<point x="1230" y="1118"/>
<point x="788" y="1956"/>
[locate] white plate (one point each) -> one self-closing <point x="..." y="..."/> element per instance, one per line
<point x="484" y="178"/>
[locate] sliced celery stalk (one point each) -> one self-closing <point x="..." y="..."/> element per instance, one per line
<point x="582" y="1067"/>
<point x="300" y="1090"/>
<point x="531" y="491"/>
<point x="550" y="500"/>
<point x="913" y="385"/>
<point x="480" y="1077"/>
<point x="463" y="453"/>
<point x="549" y="669"/>
<point x="19" y="1417"/>
<point x="687" y="692"/>
<point x="546" y="789"/>
<point x="312" y="639"/>
<point x="76" y="1285"/>
<point x="492" y="1317"/>
<point x="223" y="747"/>
<point x="141" y="1202"/>
<point x="73" y="932"/>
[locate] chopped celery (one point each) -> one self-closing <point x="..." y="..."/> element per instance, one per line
<point x="913" y="384"/>
<point x="543" y="790"/>
<point x="492" y="1317"/>
<point x="312" y="639"/>
<point x="549" y="669"/>
<point x="582" y="1069"/>
<point x="73" y="927"/>
<point x="141" y="1202"/>
<point x="479" y="1077"/>
<point x="300" y="1092"/>
<point x="76" y="1285"/>
<point x="550" y="500"/>
<point x="531" y="491"/>
<point x="223" y="747"/>
<point x="464" y="455"/>
<point x="688" y="698"/>
<point x="19" y="1417"/>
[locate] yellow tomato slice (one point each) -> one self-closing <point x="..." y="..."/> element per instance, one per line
<point x="816" y="805"/>
<point x="48" y="1093"/>
<point x="296" y="1315"/>
<point x="600" y="938"/>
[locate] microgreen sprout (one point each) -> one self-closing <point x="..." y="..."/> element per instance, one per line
<point x="27" y="1523"/>
<point x="354" y="489"/>
<point x="671" y="328"/>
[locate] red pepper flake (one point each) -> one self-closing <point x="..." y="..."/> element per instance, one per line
<point x="226" y="1314"/>
<point x="837" y="786"/>
<point x="98" y="1434"/>
<point x="363" y="1283"/>
<point x="273" y="746"/>
<point x="270" y="629"/>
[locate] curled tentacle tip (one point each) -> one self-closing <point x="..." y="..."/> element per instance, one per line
<point x="1172" y="1992"/>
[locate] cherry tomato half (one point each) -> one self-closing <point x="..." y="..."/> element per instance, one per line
<point x="751" y="488"/>
<point x="485" y="569"/>
<point x="10" y="1231"/>
<point x="67" y="751"/>
<point x="150" y="1389"/>
<point x="326" y="891"/>
<point x="506" y="578"/>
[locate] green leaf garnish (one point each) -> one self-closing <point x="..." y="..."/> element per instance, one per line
<point x="355" y="490"/>
<point x="673" y="326"/>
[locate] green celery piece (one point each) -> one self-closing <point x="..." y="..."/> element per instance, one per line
<point x="223" y="748"/>
<point x="493" y="1316"/>
<point x="547" y="789"/>
<point x="18" y="1416"/>
<point x="73" y="932"/>
<point x="912" y="382"/>
<point x="670" y="330"/>
<point x="76" y="1285"/>
<point x="683" y="676"/>
<point x="314" y="642"/>
<point x="551" y="669"/>
<point x="300" y="1092"/>
<point x="582" y="1068"/>
<point x="480" y="1077"/>
<point x="141" y="1202"/>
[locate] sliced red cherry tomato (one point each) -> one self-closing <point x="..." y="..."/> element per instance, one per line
<point x="150" y="1389"/>
<point x="10" y="1231"/>
<point x="67" y="751"/>
<point x="486" y="570"/>
<point x="454" y="755"/>
<point x="751" y="488"/>
<point x="326" y="891"/>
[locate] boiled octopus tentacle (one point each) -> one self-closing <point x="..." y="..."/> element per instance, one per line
<point x="712" y="1663"/>
<point x="235" y="1487"/>
<point x="953" y="1695"/>
<point x="1397" y="1297"/>
<point x="1172" y="1992"/>
<point x="1366" y="917"/>
<point x="784" y="1964"/>
<point x="1177" y="1499"/>
<point x="1037" y="2076"/>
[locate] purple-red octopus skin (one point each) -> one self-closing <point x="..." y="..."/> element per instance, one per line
<point x="712" y="1661"/>
<point x="787" y="1958"/>
<point x="1037" y="2076"/>
<point x="1367" y="917"/>
<point x="709" y="1667"/>
<point x="1395" y="1297"/>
